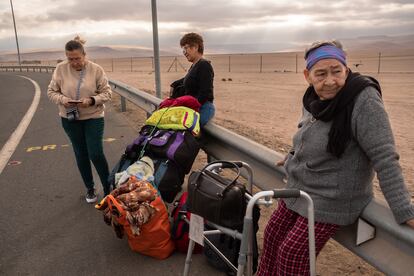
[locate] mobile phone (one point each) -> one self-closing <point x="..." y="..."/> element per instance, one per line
<point x="74" y="101"/>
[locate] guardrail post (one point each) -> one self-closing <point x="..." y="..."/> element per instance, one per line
<point x="123" y="104"/>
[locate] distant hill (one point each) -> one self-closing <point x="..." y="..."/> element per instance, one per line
<point x="93" y="52"/>
<point x="401" y="45"/>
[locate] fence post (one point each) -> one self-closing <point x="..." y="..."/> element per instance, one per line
<point x="112" y="64"/>
<point x="131" y="64"/>
<point x="229" y="63"/>
<point x="379" y="62"/>
<point x="261" y="63"/>
<point x="296" y="63"/>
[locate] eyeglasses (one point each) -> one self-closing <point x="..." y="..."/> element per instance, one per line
<point x="74" y="59"/>
<point x="186" y="47"/>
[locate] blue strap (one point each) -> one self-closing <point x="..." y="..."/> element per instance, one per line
<point x="77" y="90"/>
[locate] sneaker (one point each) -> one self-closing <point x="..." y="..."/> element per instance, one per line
<point x="91" y="196"/>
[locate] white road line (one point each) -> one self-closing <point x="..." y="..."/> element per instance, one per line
<point x="14" y="140"/>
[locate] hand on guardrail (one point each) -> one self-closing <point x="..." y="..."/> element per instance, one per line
<point x="281" y="162"/>
<point x="410" y="223"/>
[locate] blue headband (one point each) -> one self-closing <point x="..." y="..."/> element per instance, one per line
<point x="325" y="52"/>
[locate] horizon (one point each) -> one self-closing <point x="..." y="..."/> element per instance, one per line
<point x="218" y="49"/>
<point x="262" y="25"/>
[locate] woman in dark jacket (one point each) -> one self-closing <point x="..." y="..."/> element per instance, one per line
<point x="199" y="79"/>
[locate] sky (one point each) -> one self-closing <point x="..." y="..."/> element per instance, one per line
<point x="227" y="26"/>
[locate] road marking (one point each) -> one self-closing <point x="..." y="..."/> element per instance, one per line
<point x="13" y="163"/>
<point x="53" y="147"/>
<point x="14" y="140"/>
<point x="47" y="147"/>
<point x="33" y="148"/>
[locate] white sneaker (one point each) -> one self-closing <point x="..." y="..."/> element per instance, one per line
<point x="91" y="196"/>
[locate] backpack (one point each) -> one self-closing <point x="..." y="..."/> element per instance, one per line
<point x="230" y="247"/>
<point x="179" y="146"/>
<point x="180" y="228"/>
<point x="168" y="178"/>
<point x="176" y="118"/>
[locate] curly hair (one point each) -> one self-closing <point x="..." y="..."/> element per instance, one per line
<point x="193" y="39"/>
<point x="75" y="44"/>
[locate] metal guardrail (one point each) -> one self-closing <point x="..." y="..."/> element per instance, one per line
<point x="23" y="68"/>
<point x="390" y="251"/>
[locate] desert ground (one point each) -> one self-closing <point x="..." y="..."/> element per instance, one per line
<point x="265" y="107"/>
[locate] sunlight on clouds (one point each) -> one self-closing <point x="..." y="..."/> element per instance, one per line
<point x="393" y="7"/>
<point x="98" y="28"/>
<point x="270" y="22"/>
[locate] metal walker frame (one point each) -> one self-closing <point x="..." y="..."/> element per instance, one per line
<point x="245" y="260"/>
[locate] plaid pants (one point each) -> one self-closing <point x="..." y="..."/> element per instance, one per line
<point x="286" y="245"/>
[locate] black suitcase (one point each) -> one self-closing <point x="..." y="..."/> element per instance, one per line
<point x="168" y="178"/>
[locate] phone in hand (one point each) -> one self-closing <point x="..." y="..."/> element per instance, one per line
<point x="74" y="101"/>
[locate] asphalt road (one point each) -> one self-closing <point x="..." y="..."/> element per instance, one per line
<point x="46" y="226"/>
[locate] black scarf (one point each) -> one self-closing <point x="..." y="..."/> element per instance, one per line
<point x="339" y="109"/>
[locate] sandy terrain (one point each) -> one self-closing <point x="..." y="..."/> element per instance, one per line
<point x="265" y="107"/>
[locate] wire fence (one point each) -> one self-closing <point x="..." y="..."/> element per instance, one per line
<point x="252" y="63"/>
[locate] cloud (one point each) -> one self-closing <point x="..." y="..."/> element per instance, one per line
<point x="262" y="21"/>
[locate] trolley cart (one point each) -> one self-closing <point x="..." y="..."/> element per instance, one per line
<point x="245" y="260"/>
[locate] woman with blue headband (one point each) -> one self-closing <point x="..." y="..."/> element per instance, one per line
<point x="343" y="137"/>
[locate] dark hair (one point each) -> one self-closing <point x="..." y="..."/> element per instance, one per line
<point x="75" y="44"/>
<point x="315" y="45"/>
<point x="193" y="39"/>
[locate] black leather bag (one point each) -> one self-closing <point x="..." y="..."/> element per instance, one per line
<point x="217" y="199"/>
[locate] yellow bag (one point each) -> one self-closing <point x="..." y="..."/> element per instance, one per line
<point x="176" y="118"/>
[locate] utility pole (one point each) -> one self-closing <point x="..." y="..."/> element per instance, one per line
<point x="15" y="33"/>
<point x="156" y="49"/>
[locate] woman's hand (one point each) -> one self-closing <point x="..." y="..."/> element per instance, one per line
<point x="86" y="102"/>
<point x="281" y="162"/>
<point x="410" y="223"/>
<point x="66" y="102"/>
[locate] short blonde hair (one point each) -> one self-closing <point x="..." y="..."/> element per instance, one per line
<point x="75" y="44"/>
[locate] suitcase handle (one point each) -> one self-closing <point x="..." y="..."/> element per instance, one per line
<point x="286" y="193"/>
<point x="226" y="165"/>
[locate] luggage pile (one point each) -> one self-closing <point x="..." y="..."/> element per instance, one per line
<point x="168" y="138"/>
<point x="150" y="172"/>
<point x="136" y="209"/>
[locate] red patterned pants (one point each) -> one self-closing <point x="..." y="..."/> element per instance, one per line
<point x="286" y="245"/>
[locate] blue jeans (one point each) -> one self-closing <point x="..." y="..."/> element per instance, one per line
<point x="207" y="112"/>
<point x="86" y="137"/>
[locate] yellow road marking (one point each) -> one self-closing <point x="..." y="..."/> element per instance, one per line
<point x="33" y="148"/>
<point x="53" y="147"/>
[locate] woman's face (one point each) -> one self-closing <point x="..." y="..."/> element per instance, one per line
<point x="191" y="52"/>
<point x="327" y="76"/>
<point x="76" y="59"/>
